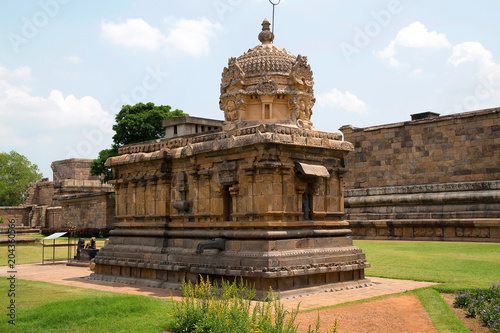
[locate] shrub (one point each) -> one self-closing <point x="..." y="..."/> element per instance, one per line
<point x="228" y="308"/>
<point x="482" y="303"/>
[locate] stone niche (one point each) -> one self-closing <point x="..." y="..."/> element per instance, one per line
<point x="262" y="199"/>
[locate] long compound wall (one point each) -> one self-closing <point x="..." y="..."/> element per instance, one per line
<point x="436" y="178"/>
<point x="455" y="148"/>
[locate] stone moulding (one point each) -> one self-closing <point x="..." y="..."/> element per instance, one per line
<point x="423" y="198"/>
<point x="286" y="132"/>
<point x="137" y="155"/>
<point x="425" y="188"/>
<point x="236" y="234"/>
<point x="462" y="211"/>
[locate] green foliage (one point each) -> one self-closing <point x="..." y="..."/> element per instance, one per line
<point x="210" y="308"/>
<point x="484" y="303"/>
<point x="15" y="173"/>
<point x="97" y="166"/>
<point x="141" y="122"/>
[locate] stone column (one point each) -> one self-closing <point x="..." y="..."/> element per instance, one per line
<point x="132" y="201"/>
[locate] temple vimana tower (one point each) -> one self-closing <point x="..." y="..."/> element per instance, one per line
<point x="259" y="197"/>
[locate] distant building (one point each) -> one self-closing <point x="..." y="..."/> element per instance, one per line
<point x="74" y="195"/>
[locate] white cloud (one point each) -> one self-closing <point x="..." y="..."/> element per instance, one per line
<point x="74" y="59"/>
<point x="133" y="33"/>
<point x="192" y="37"/>
<point x="470" y="52"/>
<point x="339" y="101"/>
<point x="416" y="73"/>
<point x="414" y="36"/>
<point x="50" y="125"/>
<point x="184" y="37"/>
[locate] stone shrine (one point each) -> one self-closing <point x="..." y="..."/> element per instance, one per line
<point x="261" y="199"/>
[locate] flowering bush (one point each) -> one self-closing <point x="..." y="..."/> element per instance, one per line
<point x="482" y="303"/>
<point x="228" y="308"/>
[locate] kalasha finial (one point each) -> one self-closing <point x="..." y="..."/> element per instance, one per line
<point x="266" y="36"/>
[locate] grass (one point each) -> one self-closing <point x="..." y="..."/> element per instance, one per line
<point x="439" y="312"/>
<point x="45" y="307"/>
<point x="454" y="265"/>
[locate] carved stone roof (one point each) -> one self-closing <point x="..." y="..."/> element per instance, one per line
<point x="267" y="58"/>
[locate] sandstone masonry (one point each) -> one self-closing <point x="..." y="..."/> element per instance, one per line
<point x="431" y="178"/>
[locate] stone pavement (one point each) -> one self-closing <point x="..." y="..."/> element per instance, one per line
<point x="61" y="274"/>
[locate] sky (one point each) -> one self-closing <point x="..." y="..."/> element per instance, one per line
<point x="67" y="66"/>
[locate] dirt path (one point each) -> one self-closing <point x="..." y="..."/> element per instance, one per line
<point x="392" y="315"/>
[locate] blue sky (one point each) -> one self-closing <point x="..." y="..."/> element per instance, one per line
<point x="67" y="66"/>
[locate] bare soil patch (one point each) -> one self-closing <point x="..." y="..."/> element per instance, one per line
<point x="392" y="315"/>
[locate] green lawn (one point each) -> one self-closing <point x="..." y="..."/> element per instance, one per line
<point x="45" y="307"/>
<point x="455" y="265"/>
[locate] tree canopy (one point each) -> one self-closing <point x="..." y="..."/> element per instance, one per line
<point x="16" y="171"/>
<point x="141" y="122"/>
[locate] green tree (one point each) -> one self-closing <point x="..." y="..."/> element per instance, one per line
<point x="141" y="122"/>
<point x="16" y="171"/>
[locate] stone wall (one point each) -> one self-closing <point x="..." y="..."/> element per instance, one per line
<point x="20" y="213"/>
<point x="74" y="168"/>
<point x="87" y="211"/>
<point x="455" y="148"/>
<point x="432" y="178"/>
<point x="87" y="200"/>
<point x="53" y="217"/>
<point x="39" y="193"/>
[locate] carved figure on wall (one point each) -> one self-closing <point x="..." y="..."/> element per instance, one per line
<point x="231" y="113"/>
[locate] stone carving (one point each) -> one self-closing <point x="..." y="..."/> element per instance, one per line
<point x="301" y="106"/>
<point x="266" y="36"/>
<point x="232" y="106"/>
<point x="267" y="70"/>
<point x="301" y="73"/>
<point x="267" y="87"/>
<point x="232" y="75"/>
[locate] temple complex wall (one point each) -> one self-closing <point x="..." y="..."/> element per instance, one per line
<point x="74" y="195"/>
<point x="87" y="211"/>
<point x="432" y="178"/>
<point x="73" y="168"/>
<point x="39" y="193"/>
<point x="54" y="217"/>
<point x="19" y="213"/>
